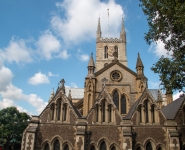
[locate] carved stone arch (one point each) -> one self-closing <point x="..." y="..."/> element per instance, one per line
<point x="160" y="147"/>
<point x="106" y="142"/>
<point x="92" y="146"/>
<point x="147" y="143"/>
<point x="114" y="146"/>
<point x="56" y="143"/>
<point x="45" y="143"/>
<point x="67" y="143"/>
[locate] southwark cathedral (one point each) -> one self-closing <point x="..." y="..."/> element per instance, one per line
<point x="114" y="111"/>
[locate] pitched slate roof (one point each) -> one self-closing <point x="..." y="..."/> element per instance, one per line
<point x="170" y="110"/>
<point x="76" y="93"/>
<point x="154" y="93"/>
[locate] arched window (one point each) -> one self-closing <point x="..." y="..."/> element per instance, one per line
<point x="149" y="146"/>
<point x="106" y="52"/>
<point x="52" y="108"/>
<point x="146" y="111"/>
<point x="103" y="146"/>
<point x="66" y="147"/>
<point x="58" y="109"/>
<point x="89" y="101"/>
<point x="92" y="147"/>
<point x="138" y="148"/>
<point x="123" y="105"/>
<point x="116" y="50"/>
<point x="97" y="112"/>
<point x="116" y="99"/>
<point x="57" y="145"/>
<point x="113" y="148"/>
<point x="140" y="113"/>
<point x="103" y="111"/>
<point x="159" y="148"/>
<point x="46" y="147"/>
<point x="64" y="112"/>
<point x="110" y="113"/>
<point x="153" y="113"/>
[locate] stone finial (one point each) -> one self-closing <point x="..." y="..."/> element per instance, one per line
<point x="51" y="95"/>
<point x="91" y="67"/>
<point x="69" y="95"/>
<point x="61" y="85"/>
<point x="104" y="80"/>
<point x="139" y="62"/>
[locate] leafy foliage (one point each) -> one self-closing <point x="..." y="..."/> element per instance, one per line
<point x="166" y="22"/>
<point x="12" y="125"/>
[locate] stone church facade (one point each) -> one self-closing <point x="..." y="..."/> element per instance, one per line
<point x="114" y="111"/>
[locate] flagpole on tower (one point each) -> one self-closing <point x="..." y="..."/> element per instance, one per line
<point x="108" y="24"/>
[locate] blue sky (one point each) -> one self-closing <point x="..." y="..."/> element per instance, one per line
<point x="44" y="41"/>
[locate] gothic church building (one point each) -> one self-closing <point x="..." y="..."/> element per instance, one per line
<point x="114" y="111"/>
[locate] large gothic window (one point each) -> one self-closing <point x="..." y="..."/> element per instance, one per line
<point x="52" y="111"/>
<point x="57" y="145"/>
<point x="92" y="147"/>
<point x="149" y="146"/>
<point x="64" y="112"/>
<point x="66" y="147"/>
<point x="105" y="52"/>
<point x="146" y="111"/>
<point x="103" y="110"/>
<point x="46" y="147"/>
<point x="103" y="146"/>
<point x="58" y="109"/>
<point x="123" y="105"/>
<point x="116" y="99"/>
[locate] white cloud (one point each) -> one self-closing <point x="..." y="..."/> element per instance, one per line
<point x="38" y="78"/>
<point x="52" y="75"/>
<point x="6" y="103"/>
<point x="48" y="44"/>
<point x="81" y="19"/>
<point x="176" y="95"/>
<point x="73" y="85"/>
<point x="81" y="56"/>
<point x="5" y="77"/>
<point x="17" y="51"/>
<point x="158" y="49"/>
<point x="63" y="54"/>
<point x="37" y="102"/>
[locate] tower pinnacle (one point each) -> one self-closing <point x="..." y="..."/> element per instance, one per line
<point x="98" y="32"/>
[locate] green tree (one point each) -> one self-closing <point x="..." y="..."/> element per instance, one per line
<point x="166" y="22"/>
<point x="12" y="125"/>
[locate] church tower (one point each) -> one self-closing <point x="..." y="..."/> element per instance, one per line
<point x="89" y="87"/>
<point x="108" y="48"/>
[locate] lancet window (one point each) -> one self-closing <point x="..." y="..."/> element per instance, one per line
<point x="105" y="52"/>
<point x="46" y="147"/>
<point x="103" y="110"/>
<point x="58" y="109"/>
<point x="116" y="50"/>
<point x="52" y="109"/>
<point x="97" y="113"/>
<point x="149" y="146"/>
<point x="123" y="105"/>
<point x="153" y="113"/>
<point x="57" y="145"/>
<point x="140" y="113"/>
<point x="110" y="112"/>
<point x="113" y="148"/>
<point x="116" y="99"/>
<point x="103" y="146"/>
<point x="64" y="112"/>
<point x="66" y="147"/>
<point x="92" y="147"/>
<point x="146" y="111"/>
<point x="159" y="148"/>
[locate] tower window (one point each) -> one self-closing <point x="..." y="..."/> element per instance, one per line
<point x="123" y="105"/>
<point x="116" y="51"/>
<point x="106" y="52"/>
<point x="103" y="110"/>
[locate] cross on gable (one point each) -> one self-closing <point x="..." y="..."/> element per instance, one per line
<point x="104" y="80"/>
<point x="62" y="82"/>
